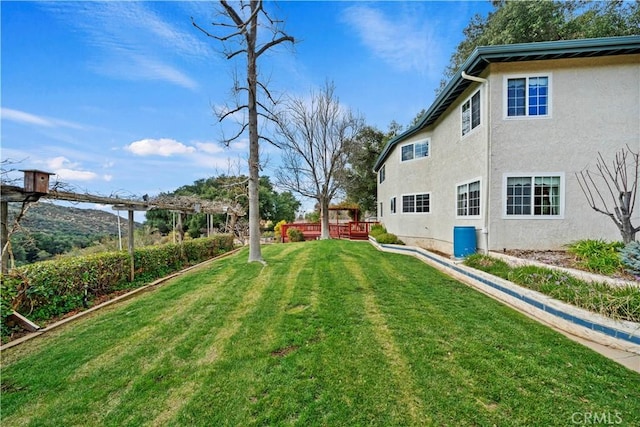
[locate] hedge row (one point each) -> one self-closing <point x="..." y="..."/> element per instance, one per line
<point x="47" y="289"/>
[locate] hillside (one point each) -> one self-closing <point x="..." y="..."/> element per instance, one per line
<point x="48" y="230"/>
<point x="48" y="218"/>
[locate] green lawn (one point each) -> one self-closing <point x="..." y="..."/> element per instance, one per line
<point x="330" y="333"/>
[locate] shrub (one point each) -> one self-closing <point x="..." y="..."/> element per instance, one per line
<point x="295" y="235"/>
<point x="277" y="229"/>
<point x="491" y="265"/>
<point x="389" y="239"/>
<point x="377" y="230"/>
<point x="597" y="256"/>
<point x="630" y="257"/>
<point x="8" y="291"/>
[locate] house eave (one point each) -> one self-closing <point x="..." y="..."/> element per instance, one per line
<point x="482" y="56"/>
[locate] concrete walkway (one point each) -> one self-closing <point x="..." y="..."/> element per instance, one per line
<point x="625" y="358"/>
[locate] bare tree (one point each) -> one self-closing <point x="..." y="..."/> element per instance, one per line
<point x="241" y="29"/>
<point x="314" y="137"/>
<point x="617" y="183"/>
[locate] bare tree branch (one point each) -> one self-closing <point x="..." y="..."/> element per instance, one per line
<point x="621" y="186"/>
<point x="245" y="33"/>
<point x="314" y="140"/>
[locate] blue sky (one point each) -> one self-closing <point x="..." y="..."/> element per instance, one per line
<point x="116" y="98"/>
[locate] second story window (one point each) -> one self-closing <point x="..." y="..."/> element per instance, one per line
<point x="471" y="113"/>
<point x="528" y="96"/>
<point x="415" y="150"/>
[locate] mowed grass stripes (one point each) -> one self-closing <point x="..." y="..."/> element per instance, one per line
<point x="329" y="333"/>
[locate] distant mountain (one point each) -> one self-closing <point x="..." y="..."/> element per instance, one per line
<point x="49" y="218"/>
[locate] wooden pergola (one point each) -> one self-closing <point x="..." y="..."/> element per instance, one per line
<point x="36" y="187"/>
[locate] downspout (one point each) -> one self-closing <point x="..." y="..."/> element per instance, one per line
<point x="487" y="185"/>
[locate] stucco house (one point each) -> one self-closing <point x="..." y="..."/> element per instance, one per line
<point x="499" y="147"/>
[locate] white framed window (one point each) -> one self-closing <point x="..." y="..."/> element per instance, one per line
<point x="415" y="150"/>
<point x="381" y="209"/>
<point x="468" y="199"/>
<point x="416" y="203"/>
<point x="527" y="96"/>
<point x="470" y="113"/>
<point x="381" y="174"/>
<point x="539" y="195"/>
<point x="393" y="205"/>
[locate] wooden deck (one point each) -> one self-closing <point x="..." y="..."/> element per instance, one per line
<point x="354" y="230"/>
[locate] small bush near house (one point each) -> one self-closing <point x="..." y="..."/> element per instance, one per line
<point x="491" y="265"/>
<point x="295" y="235"/>
<point x="377" y="230"/>
<point x="277" y="229"/>
<point x="598" y="256"/>
<point x="388" y="239"/>
<point x="630" y="256"/>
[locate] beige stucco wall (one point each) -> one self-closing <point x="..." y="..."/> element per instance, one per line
<point x="595" y="108"/>
<point x="453" y="160"/>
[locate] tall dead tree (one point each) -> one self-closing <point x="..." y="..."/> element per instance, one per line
<point x="612" y="189"/>
<point x="241" y="31"/>
<point x="314" y="136"/>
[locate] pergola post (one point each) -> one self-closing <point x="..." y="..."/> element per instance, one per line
<point x="4" y="234"/>
<point x="131" y="245"/>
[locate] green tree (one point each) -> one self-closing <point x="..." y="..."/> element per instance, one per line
<point x="535" y="21"/>
<point x="358" y="180"/>
<point x="286" y="206"/>
<point x="273" y="205"/>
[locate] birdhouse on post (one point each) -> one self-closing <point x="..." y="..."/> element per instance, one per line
<point x="36" y="181"/>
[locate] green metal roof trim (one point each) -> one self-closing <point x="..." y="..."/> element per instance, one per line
<point x="482" y="56"/>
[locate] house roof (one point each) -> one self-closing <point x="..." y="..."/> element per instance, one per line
<point x="482" y="56"/>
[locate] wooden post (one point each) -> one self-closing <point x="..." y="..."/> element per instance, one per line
<point x="180" y="229"/>
<point x="130" y="211"/>
<point x="4" y="234"/>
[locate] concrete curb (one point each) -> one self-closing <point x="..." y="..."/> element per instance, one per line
<point x="620" y="335"/>
<point x="115" y="300"/>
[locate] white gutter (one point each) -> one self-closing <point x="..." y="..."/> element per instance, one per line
<point x="487" y="181"/>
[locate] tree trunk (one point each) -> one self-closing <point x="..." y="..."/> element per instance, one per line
<point x="255" y="252"/>
<point x="324" y="219"/>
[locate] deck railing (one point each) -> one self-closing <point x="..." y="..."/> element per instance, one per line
<point x="311" y="230"/>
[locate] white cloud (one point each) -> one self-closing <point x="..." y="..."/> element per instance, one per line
<point x="133" y="41"/>
<point x="59" y="163"/>
<point x="221" y="164"/>
<point x="32" y="119"/>
<point x="159" y="147"/>
<point x="65" y="170"/>
<point x="240" y="144"/>
<point x="75" y="175"/>
<point x="405" y="42"/>
<point x="137" y="67"/>
<point x="107" y="177"/>
<point x="209" y="147"/>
